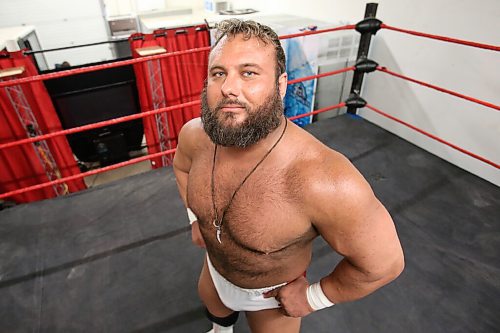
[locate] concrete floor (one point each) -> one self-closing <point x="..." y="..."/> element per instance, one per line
<point x="118" y="257"/>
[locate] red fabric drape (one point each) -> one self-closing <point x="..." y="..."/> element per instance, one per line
<point x="20" y="166"/>
<point x="182" y="78"/>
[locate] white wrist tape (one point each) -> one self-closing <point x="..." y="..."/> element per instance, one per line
<point x="192" y="218"/>
<point x="317" y="298"/>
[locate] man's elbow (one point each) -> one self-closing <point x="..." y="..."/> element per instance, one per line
<point x="388" y="272"/>
<point x="395" y="268"/>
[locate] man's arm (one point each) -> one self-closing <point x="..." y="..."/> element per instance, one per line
<point x="182" y="160"/>
<point x="186" y="148"/>
<point x="356" y="225"/>
<point x="346" y="213"/>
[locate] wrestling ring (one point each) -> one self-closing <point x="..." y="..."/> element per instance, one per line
<point x="119" y="258"/>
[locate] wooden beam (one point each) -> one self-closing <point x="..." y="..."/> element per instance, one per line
<point x="13" y="71"/>
<point x="150" y="50"/>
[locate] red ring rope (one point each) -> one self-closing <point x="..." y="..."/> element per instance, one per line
<point x="471" y="99"/>
<point x="171" y="151"/>
<point x="75" y="71"/>
<point x="122" y="164"/>
<point x="94" y="68"/>
<point x="443" y="38"/>
<point x="432" y="136"/>
<point x="85" y="174"/>
<point x="136" y="116"/>
<point x="305" y="78"/>
<point x="97" y="125"/>
<point x="328" y="108"/>
<point x="314" y="32"/>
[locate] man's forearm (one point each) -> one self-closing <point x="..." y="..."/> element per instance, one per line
<point x="348" y="283"/>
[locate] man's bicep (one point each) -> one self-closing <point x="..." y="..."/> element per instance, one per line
<point x="183" y="157"/>
<point x="371" y="244"/>
<point x="359" y="227"/>
<point x="181" y="171"/>
<point x="184" y="150"/>
<point x="181" y="164"/>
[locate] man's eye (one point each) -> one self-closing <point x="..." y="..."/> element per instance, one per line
<point x="248" y="73"/>
<point x="218" y="74"/>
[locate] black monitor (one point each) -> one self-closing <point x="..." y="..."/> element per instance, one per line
<point x="84" y="107"/>
<point x="93" y="97"/>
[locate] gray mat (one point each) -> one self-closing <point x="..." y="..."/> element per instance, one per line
<point x="118" y="257"/>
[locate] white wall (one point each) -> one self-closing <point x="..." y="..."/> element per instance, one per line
<point x="324" y="10"/>
<point x="130" y="7"/>
<point x="61" y="23"/>
<point x="473" y="72"/>
<point x="470" y="71"/>
<point x="120" y="7"/>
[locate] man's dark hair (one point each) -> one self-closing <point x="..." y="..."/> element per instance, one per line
<point x="249" y="29"/>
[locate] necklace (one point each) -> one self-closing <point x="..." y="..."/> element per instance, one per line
<point x="218" y="222"/>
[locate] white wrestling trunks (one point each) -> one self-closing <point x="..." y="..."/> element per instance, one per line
<point x="241" y="299"/>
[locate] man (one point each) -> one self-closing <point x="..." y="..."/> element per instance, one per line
<point x="259" y="189"/>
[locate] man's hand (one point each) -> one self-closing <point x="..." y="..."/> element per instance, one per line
<point x="196" y="235"/>
<point x="292" y="298"/>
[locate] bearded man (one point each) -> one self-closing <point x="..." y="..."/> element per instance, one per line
<point x="244" y="173"/>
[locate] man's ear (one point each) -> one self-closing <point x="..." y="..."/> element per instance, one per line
<point x="282" y="84"/>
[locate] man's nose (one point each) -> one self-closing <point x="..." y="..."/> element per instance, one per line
<point x="231" y="86"/>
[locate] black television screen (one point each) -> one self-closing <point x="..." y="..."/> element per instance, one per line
<point x="93" y="97"/>
<point x="97" y="104"/>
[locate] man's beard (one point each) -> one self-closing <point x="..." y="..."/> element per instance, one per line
<point x="259" y="122"/>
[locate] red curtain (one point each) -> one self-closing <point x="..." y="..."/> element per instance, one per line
<point x="182" y="78"/>
<point x="24" y="165"/>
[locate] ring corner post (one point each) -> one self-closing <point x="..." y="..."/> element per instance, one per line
<point x="367" y="27"/>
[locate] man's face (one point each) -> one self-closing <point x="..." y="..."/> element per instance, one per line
<point x="242" y="100"/>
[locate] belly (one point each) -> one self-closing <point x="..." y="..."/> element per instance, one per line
<point x="250" y="269"/>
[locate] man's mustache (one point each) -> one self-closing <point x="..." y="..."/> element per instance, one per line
<point x="228" y="101"/>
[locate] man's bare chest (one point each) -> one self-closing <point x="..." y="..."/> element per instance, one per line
<point x="263" y="215"/>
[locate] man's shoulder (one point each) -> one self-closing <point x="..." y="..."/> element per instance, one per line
<point x="314" y="159"/>
<point x="192" y="140"/>
<point x="325" y="171"/>
<point x="192" y="135"/>
<point x="192" y="128"/>
<point x="321" y="163"/>
<point x="330" y="186"/>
